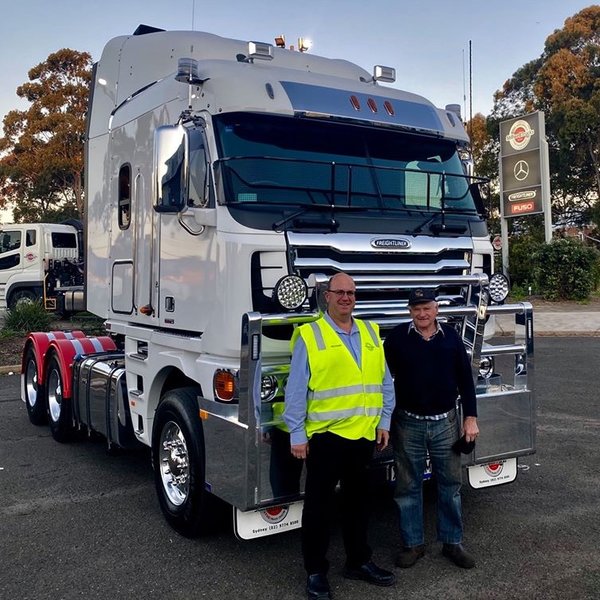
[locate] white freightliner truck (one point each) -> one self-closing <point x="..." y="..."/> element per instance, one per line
<point x="225" y="182"/>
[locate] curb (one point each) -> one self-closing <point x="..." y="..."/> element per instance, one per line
<point x="14" y="369"/>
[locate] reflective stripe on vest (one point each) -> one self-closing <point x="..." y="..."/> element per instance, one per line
<point x="343" y="398"/>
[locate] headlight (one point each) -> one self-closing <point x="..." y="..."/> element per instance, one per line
<point x="291" y="292"/>
<point x="486" y="367"/>
<point x="498" y="287"/>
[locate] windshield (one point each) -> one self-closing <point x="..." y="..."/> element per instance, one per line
<point x="283" y="160"/>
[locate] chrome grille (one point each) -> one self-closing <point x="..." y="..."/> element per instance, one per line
<point x="385" y="276"/>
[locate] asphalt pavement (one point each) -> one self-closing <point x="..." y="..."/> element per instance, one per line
<point x="76" y="522"/>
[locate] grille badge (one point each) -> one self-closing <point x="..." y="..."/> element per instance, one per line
<point x="390" y="243"/>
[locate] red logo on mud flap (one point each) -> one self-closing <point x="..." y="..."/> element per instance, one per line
<point x="494" y="469"/>
<point x="30" y="256"/>
<point x="275" y="514"/>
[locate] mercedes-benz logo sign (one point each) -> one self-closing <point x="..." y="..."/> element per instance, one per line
<point x="390" y="243"/>
<point x="521" y="170"/>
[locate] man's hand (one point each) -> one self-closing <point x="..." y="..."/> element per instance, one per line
<point x="470" y="429"/>
<point x="383" y="438"/>
<point x="300" y="451"/>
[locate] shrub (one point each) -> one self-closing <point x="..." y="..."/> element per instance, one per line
<point x="565" y="270"/>
<point x="26" y="317"/>
<point x="522" y="272"/>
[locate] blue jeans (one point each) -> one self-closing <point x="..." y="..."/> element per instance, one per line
<point x="412" y="438"/>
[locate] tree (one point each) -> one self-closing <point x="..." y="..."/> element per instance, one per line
<point x="41" y="164"/>
<point x="564" y="82"/>
<point x="485" y="158"/>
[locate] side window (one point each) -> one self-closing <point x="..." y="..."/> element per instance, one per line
<point x="10" y="240"/>
<point x="124" y="202"/>
<point x="64" y="240"/>
<point x="198" y="195"/>
<point x="30" y="237"/>
<point x="10" y="261"/>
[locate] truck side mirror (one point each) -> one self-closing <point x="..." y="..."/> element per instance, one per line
<point x="170" y="168"/>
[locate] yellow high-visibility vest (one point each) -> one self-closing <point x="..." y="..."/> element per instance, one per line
<point x="343" y="398"/>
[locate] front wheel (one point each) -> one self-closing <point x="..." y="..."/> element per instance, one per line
<point x="34" y="390"/>
<point x="21" y="297"/>
<point x="178" y="463"/>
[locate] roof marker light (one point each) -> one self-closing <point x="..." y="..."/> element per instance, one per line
<point x="355" y="103"/>
<point x="260" y="50"/>
<point x="381" y="73"/>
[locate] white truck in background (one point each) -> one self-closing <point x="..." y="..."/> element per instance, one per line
<point x="225" y="182"/>
<point x="40" y="262"/>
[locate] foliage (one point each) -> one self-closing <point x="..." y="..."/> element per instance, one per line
<point x="566" y="269"/>
<point x="41" y="169"/>
<point x="485" y="157"/>
<point x="521" y="267"/>
<point x="564" y="82"/>
<point x="26" y="317"/>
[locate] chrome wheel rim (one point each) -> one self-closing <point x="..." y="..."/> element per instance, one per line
<point x="174" y="463"/>
<point x="31" y="383"/>
<point x="54" y="395"/>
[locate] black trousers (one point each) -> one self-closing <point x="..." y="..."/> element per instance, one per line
<point x="285" y="471"/>
<point x="332" y="458"/>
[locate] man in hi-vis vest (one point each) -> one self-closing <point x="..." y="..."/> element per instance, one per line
<point x="338" y="404"/>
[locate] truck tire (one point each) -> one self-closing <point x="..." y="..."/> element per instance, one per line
<point x="34" y="390"/>
<point x="60" y="416"/>
<point x="21" y="297"/>
<point x="179" y="463"/>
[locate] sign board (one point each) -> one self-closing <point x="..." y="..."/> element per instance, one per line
<point x="497" y="243"/>
<point x="524" y="175"/>
<point x="521" y="165"/>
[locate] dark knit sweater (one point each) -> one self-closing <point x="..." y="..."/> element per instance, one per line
<point x="429" y="375"/>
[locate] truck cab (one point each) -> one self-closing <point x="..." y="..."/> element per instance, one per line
<point x="28" y="253"/>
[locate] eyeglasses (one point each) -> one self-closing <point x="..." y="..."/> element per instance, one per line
<point x="342" y="293"/>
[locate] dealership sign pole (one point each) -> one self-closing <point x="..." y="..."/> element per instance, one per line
<point x="524" y="174"/>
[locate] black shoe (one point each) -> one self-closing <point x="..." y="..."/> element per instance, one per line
<point x="317" y="587"/>
<point x="371" y="573"/>
<point x="409" y="556"/>
<point x="458" y="555"/>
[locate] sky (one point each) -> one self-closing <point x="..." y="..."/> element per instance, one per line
<point x="426" y="41"/>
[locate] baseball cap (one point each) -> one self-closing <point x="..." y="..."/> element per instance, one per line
<point x="421" y="295"/>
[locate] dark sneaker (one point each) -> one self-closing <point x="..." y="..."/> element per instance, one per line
<point x="409" y="556"/>
<point x="458" y="555"/>
<point x="371" y="573"/>
<point x="317" y="587"/>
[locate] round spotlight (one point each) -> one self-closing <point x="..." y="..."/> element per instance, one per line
<point x="486" y="367"/>
<point x="268" y="388"/>
<point x="291" y="292"/>
<point x="498" y="287"/>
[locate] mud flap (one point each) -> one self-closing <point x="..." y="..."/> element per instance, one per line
<point x="492" y="473"/>
<point x="260" y="523"/>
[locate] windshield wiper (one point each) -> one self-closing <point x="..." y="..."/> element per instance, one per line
<point x="437" y="228"/>
<point x="332" y="223"/>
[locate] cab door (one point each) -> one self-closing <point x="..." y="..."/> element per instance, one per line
<point x="187" y="241"/>
<point x="11" y="259"/>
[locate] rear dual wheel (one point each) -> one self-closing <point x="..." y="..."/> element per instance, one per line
<point x="34" y="390"/>
<point x="59" y="408"/>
